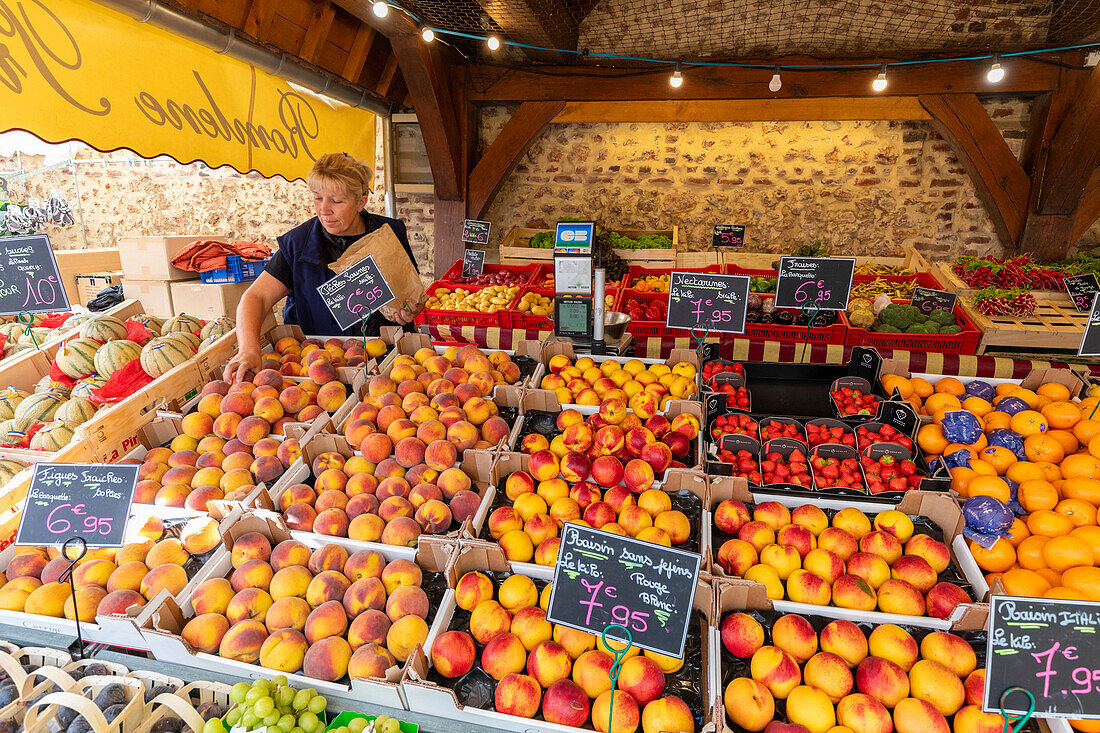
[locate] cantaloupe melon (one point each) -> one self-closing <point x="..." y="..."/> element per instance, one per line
<point x="76" y="357"/>
<point x="103" y="329"/>
<point x="114" y="355"/>
<point x="163" y="353"/>
<point x="9" y="400"/>
<point x="182" y="322"/>
<point x="52" y="436"/>
<point x="39" y="407"/>
<point x="76" y="411"/>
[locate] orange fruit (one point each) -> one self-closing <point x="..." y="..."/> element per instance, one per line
<point x="1027" y="396"/>
<point x="977" y="406"/>
<point x="999" y="457"/>
<point x="1048" y="523"/>
<point x="1080" y="465"/>
<point x="1030" y="552"/>
<point x="1062" y="415"/>
<point x="1062" y="553"/>
<point x="1086" y="489"/>
<point x="1051" y="577"/>
<point x="951" y="386"/>
<point x="922" y="387"/>
<point x="1005" y="388"/>
<point x="1060" y="591"/>
<point x="1085" y="726"/>
<point x="960" y="479"/>
<point x="1028" y="422"/>
<point x="890" y="382"/>
<point x="1054" y="391"/>
<point x="1085" y="580"/>
<point x="1017" y="533"/>
<point x="1021" y="582"/>
<point x="996" y="559"/>
<point x="1078" y="511"/>
<point x="984" y="468"/>
<point x="1042" y="447"/>
<point x="1091" y="537"/>
<point x="1036" y="495"/>
<point x="989" y="486"/>
<point x="1051" y="471"/>
<point x="941" y="401"/>
<point x="1086" y="429"/>
<point x="997" y="420"/>
<point x="1067" y="439"/>
<point x="930" y="439"/>
<point x="1021" y="471"/>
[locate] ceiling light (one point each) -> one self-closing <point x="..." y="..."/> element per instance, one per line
<point x="776" y="83"/>
<point x="493" y="43"/>
<point x="677" y="79"/>
<point x="427" y="34"/>
<point x="381" y="9"/>
<point x="879" y="84"/>
<point x="996" y="72"/>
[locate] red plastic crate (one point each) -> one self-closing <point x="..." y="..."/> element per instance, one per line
<point x="455" y="271"/>
<point x="462" y="318"/>
<point x="547" y="268"/>
<point x="952" y="343"/>
<point x="519" y="319"/>
<point x="647" y="329"/>
<point x="636" y="272"/>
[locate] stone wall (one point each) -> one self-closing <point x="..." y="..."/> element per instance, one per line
<point x="861" y="187"/>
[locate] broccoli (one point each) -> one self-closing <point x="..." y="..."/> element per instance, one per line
<point x="951" y="329"/>
<point x="887" y="328"/>
<point x="943" y="318"/>
<point x="916" y="328"/>
<point x="931" y="327"/>
<point x="899" y="315"/>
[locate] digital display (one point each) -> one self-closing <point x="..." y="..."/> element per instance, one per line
<point x="573" y="317"/>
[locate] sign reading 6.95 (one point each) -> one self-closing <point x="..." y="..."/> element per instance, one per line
<point x="86" y="500"/>
<point x="821" y="283"/>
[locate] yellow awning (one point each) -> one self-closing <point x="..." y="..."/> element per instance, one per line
<point x="76" y="70"/>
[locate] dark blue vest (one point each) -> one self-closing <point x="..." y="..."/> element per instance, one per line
<point x="304" y="249"/>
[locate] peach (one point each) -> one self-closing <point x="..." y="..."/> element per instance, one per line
<point x="300" y="517"/>
<point x="810" y="517"/>
<point x="370" y="660"/>
<point x="863" y="714"/>
<point x="407" y="600"/>
<point x="936" y="684"/>
<point x="127" y="577"/>
<point x="145" y="492"/>
<point x="574" y="642"/>
<point x="473" y="588"/>
<point x="531" y="627"/>
<point x="730" y="515"/>
<point x="519" y="695"/>
<point x="591" y="672"/>
<point x="451" y="481"/>
<point x="666" y="714"/>
<point x="758" y="534"/>
<point x="212" y="596"/>
<point x="287" y="613"/>
<point x="172" y="495"/>
<point x="853" y="521"/>
<point x="249" y="546"/>
<point x="253" y="574"/>
<point x="117" y="602"/>
<point x="898" y="596"/>
<point x="503" y="655"/>
<point x="845" y="639"/>
<point x="882" y="680"/>
<point x="453" y="653"/>
<point x="540" y="528"/>
<point x="916" y="571"/>
<point x="776" y="669"/>
<point x="252" y="430"/>
<point x="93" y="572"/>
<point x="742" y="635"/>
<point x="830" y="674"/>
<point x="852" y="591"/>
<point x="290" y="581"/>
<point x="329" y="585"/>
<point x="204" y="633"/>
<point x="487" y="620"/>
<point x="974" y="687"/>
<point x="642" y="679"/>
<point x="883" y="544"/>
<point x="736" y="556"/>
<point x="328" y="659"/>
<point x="237" y="403"/>
<point x="675" y="524"/>
<point x="800" y="538"/>
<point x="331" y="522"/>
<point x="824" y="564"/>
<point x="516" y="592"/>
<point x="894" y="643"/>
<point x="575" y="467"/>
<point x="288" y="553"/>
<point x="249" y="603"/>
<point x="784" y="560"/>
<point x="585" y="493"/>
<point x="943" y="598"/>
<point x="494" y="430"/>
<point x="810" y="708"/>
<point x="404" y="635"/>
<point x="917" y="716"/>
<point x="949" y="650"/>
<point x="619" y="497"/>
<point x="638" y="475"/>
<point x="243" y="641"/>
<point x="935" y="553"/>
<point x="331" y="479"/>
<point x="49" y="600"/>
<point x="163" y="577"/>
<point x="564" y="703"/>
<point x="531" y="443"/>
<point x="401" y="572"/>
<point x="543" y="465"/>
<point x="364" y="594"/>
<point x="327" y="619"/>
<point x="599" y="513"/>
<point x="393" y="486"/>
<point x="284" y="651"/>
<point x="839" y="542"/>
<point x="870" y="567"/>
<point x="434" y="517"/>
<point x="794" y="635"/>
<point x="749" y="704"/>
<point x="369" y="627"/>
<point x="361" y="484"/>
<point x="805" y="587"/>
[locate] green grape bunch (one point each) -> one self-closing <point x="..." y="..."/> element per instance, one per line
<point x="272" y="706"/>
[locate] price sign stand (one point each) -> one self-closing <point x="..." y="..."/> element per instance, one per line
<point x="616" y="664"/>
<point x="28" y="320"/>
<point x="68" y="574"/>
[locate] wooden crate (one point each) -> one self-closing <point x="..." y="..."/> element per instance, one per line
<point x="945" y="273"/>
<point x="1055" y="326"/>
<point x="913" y="260"/>
<point x="514" y="249"/>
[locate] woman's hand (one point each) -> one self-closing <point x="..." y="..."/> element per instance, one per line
<point x="406" y="314"/>
<point x="242" y="366"/>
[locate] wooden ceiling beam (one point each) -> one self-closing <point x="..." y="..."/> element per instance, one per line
<point x="546" y="23"/>
<point x="320" y="22"/>
<point x="998" y="177"/>
<point x="360" y="48"/>
<point x="589" y="83"/>
<point x="1088" y="211"/>
<point x="746" y="110"/>
<point x="258" y="18"/>
<point x="1074" y="153"/>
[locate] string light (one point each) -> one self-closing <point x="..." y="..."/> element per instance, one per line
<point x="493" y="43"/>
<point x="776" y="83"/>
<point x="427" y="34"/>
<point x="996" y="72"/>
<point x="677" y="79"/>
<point x="381" y="9"/>
<point x="879" y="84"/>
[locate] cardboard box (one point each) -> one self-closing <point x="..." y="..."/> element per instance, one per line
<point x="150" y="258"/>
<point x="70" y="262"/>
<point x="155" y="295"/>
<point x="207" y="301"/>
<point x="89" y="284"/>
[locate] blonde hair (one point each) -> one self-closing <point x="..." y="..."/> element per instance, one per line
<point x="343" y="172"/>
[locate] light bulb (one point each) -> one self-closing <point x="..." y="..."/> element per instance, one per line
<point x="776" y="83"/>
<point x="677" y="79"/>
<point x="996" y="72"/>
<point x="879" y="84"/>
<point x="381" y="9"/>
<point x="493" y="43"/>
<point x="427" y="34"/>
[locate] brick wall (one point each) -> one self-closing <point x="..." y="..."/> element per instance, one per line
<point x="862" y="187"/>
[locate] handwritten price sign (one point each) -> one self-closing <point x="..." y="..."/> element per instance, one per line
<point x="603" y="578"/>
<point x="1048" y="647"/>
<point x="475" y="231"/>
<point x="1081" y="290"/>
<point x="814" y="282"/>
<point x="928" y="300"/>
<point x="703" y="300"/>
<point x="728" y="235"/>
<point x="356" y="292"/>
<point x="29" y="278"/>
<point x="86" y="500"/>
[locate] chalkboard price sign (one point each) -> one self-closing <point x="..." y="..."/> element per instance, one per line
<point x="29" y="279"/>
<point x="728" y="235"/>
<point x="700" y="300"/>
<point x="1090" y="342"/>
<point x="473" y="262"/>
<point x="475" y="231"/>
<point x="1081" y="290"/>
<point x="356" y="292"/>
<point x="1048" y="647"/>
<point x="86" y="500"/>
<point x="603" y="578"/>
<point x="809" y="282"/>
<point x="928" y="300"/>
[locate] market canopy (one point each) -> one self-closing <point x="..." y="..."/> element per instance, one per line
<point x="76" y="70"/>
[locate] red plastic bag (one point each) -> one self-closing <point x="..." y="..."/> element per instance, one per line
<point x="3" y="341"/>
<point x="56" y="375"/>
<point x="54" y="320"/>
<point x="123" y="383"/>
<point x="136" y="332"/>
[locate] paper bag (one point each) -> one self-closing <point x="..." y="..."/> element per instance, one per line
<point x="395" y="265"/>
